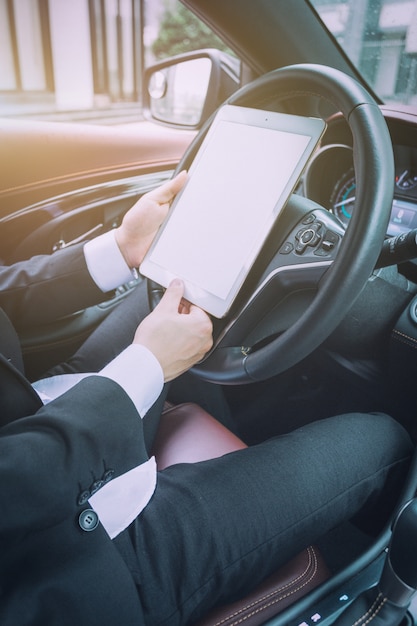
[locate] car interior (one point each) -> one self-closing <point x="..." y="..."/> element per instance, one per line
<point x="325" y="323"/>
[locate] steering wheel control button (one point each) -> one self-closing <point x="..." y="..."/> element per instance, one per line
<point x="330" y="241"/>
<point x="287" y="248"/>
<point x="331" y="237"/>
<point x="307" y="237"/>
<point x="88" y="520"/>
<point x="309" y="219"/>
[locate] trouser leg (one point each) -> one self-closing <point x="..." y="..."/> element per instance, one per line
<point x="215" y="529"/>
<point x="114" y="334"/>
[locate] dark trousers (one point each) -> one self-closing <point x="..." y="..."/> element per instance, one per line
<point x="114" y="334"/>
<point x="214" y="529"/>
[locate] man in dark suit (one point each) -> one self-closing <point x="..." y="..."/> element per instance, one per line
<point x="90" y="532"/>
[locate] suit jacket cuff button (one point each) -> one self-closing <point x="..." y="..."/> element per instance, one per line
<point x="88" y="520"/>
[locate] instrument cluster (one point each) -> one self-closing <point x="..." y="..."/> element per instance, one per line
<point x="330" y="178"/>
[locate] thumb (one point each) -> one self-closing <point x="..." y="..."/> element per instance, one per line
<point x="173" y="295"/>
<point x="167" y="191"/>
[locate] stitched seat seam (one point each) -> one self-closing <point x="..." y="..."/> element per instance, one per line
<point x="372" y="612"/>
<point x="312" y="562"/>
<point x="404" y="338"/>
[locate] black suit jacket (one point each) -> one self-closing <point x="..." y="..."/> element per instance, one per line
<point x="35" y="292"/>
<point x="45" y="287"/>
<point x="52" y="572"/>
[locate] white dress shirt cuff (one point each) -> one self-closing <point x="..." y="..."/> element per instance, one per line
<point x="105" y="262"/>
<point x="121" y="500"/>
<point x="139" y="373"/>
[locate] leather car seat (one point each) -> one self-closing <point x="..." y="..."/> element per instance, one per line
<point x="188" y="434"/>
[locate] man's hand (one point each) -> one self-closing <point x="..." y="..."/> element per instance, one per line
<point x="141" y="222"/>
<point x="179" y="334"/>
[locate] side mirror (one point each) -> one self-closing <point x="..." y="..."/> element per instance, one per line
<point x="184" y="90"/>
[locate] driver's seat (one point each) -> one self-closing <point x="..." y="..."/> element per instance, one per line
<point x="188" y="434"/>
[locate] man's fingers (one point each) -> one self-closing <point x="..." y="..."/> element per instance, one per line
<point x="168" y="190"/>
<point x="172" y="297"/>
<point x="202" y="316"/>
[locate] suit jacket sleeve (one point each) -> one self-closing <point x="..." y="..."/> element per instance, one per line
<point x="47" y="460"/>
<point x="45" y="287"/>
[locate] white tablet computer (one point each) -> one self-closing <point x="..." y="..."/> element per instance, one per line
<point x="239" y="182"/>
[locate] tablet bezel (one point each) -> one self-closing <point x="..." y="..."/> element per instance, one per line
<point x="285" y="123"/>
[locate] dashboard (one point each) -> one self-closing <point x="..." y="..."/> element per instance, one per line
<point x="330" y="177"/>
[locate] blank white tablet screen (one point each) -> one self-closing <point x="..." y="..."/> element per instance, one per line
<point x="211" y="233"/>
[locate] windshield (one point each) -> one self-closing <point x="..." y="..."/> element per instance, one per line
<point x="380" y="38"/>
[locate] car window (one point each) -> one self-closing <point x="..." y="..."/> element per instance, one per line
<point x="43" y="75"/>
<point x="380" y="38"/>
<point x="170" y="29"/>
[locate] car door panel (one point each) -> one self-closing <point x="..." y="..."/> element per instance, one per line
<point x="62" y="220"/>
<point x="65" y="183"/>
<point x="43" y="159"/>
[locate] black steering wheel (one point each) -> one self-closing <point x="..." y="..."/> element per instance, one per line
<point x="300" y="291"/>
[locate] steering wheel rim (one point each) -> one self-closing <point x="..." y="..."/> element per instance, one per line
<point x="360" y="247"/>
